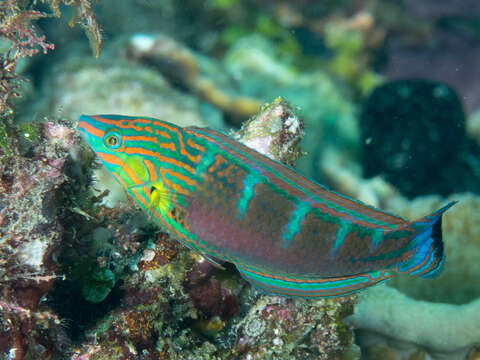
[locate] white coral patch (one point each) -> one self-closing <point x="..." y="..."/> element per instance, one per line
<point x="261" y="144"/>
<point x="292" y="124"/>
<point x="32" y="253"/>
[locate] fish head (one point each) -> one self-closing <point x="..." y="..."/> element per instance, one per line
<point x="123" y="145"/>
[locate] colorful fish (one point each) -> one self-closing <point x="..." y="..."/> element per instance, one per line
<point x="287" y="235"/>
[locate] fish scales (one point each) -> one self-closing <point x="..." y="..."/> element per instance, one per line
<point x="286" y="234"/>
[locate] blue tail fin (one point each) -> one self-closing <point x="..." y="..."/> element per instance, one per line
<point x="428" y="257"/>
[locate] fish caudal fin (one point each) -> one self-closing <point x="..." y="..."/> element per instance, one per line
<point x="428" y="256"/>
<point x="312" y="288"/>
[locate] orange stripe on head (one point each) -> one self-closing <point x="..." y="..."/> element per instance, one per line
<point x="152" y="172"/>
<point x="90" y="129"/>
<point x="120" y="180"/>
<point x="168" y="146"/>
<point x="140" y="198"/>
<point x="183" y="150"/>
<point x="120" y="123"/>
<point x="142" y="120"/>
<point x="115" y="160"/>
<point x="164" y="134"/>
<point x="171" y="184"/>
<point x="164" y="125"/>
<point x="194" y="145"/>
<point x="140" y="138"/>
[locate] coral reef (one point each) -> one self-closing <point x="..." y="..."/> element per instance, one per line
<point x="187" y="69"/>
<point x="295" y="329"/>
<point x="85" y="275"/>
<point x="191" y="71"/>
<point x="176" y="304"/>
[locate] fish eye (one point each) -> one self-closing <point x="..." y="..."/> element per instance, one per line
<point x="112" y="140"/>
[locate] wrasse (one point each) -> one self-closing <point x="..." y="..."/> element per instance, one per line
<point x="286" y="234"/>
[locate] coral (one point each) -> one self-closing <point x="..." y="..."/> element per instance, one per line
<point x="385" y="317"/>
<point x="282" y="328"/>
<point x="207" y="294"/>
<point x="17" y="26"/>
<point x="189" y="70"/>
<point x="84" y="87"/>
<point x="349" y="38"/>
<point x="30" y="234"/>
<point x="264" y="75"/>
<point x="275" y="131"/>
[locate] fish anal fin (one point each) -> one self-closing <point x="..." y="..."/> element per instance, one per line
<point x="212" y="261"/>
<point x="313" y="288"/>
